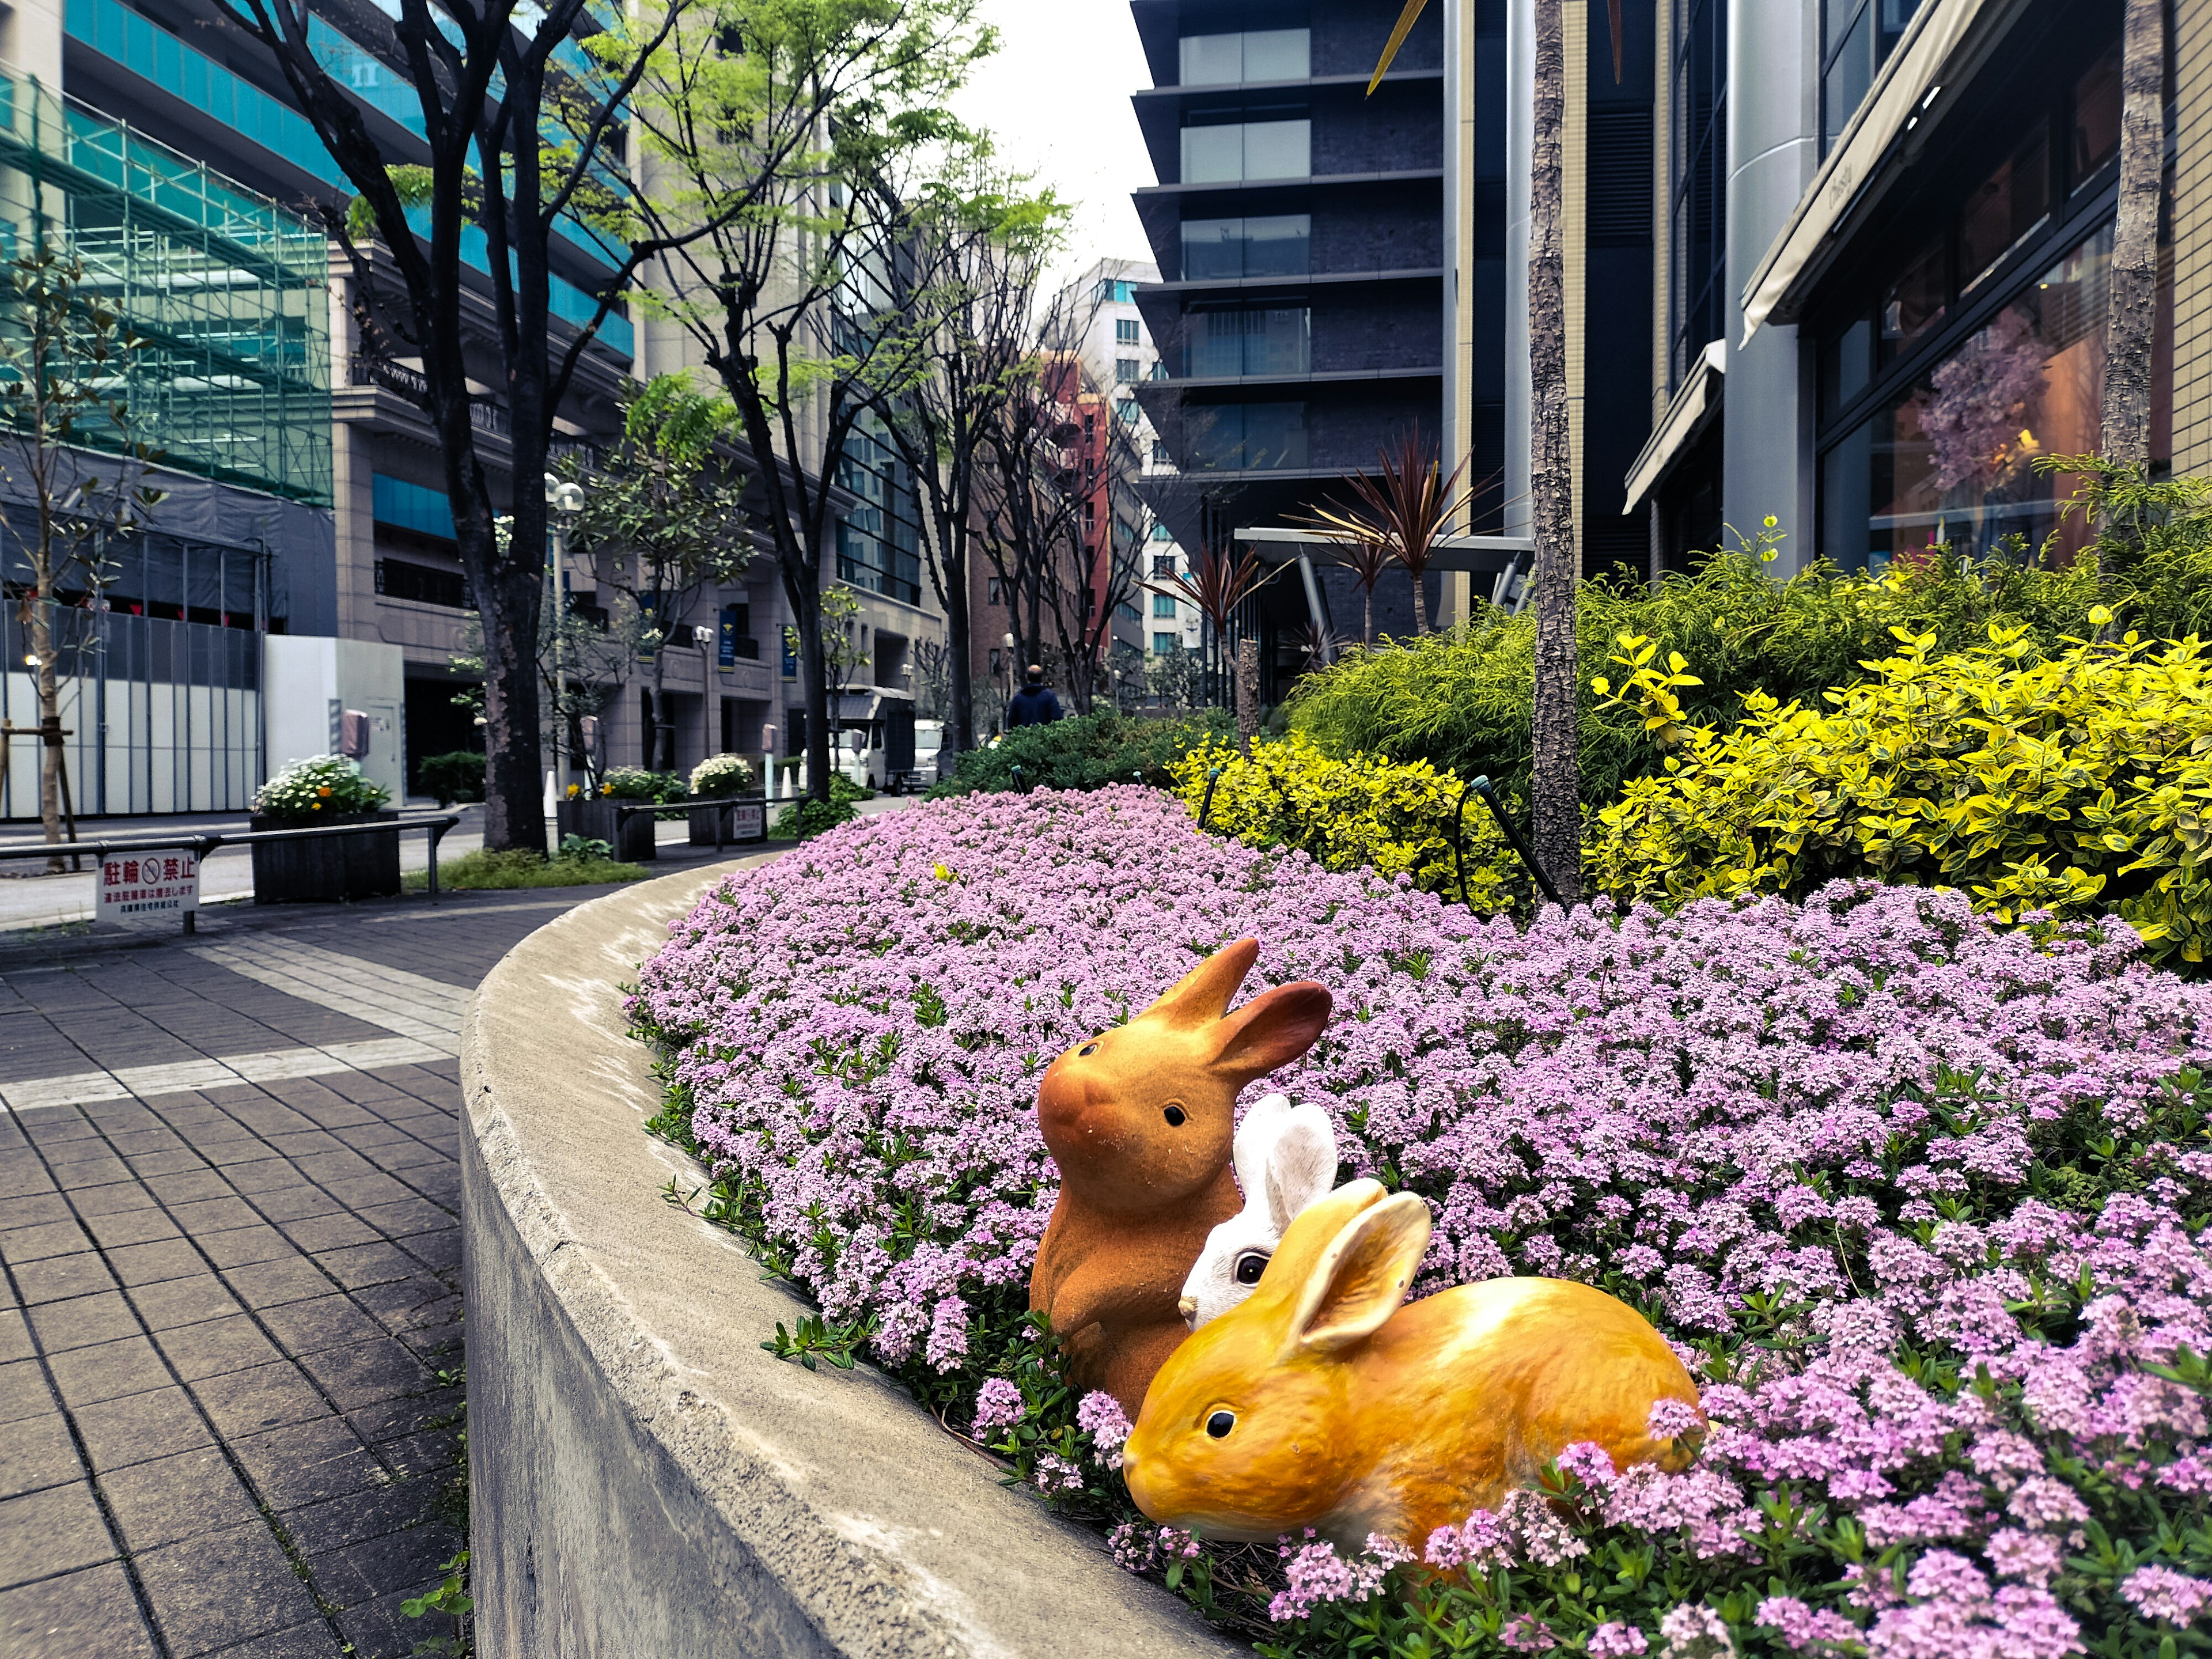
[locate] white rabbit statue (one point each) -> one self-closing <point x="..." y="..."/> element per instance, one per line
<point x="1286" y="1158"/>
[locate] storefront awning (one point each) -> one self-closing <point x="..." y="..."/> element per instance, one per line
<point x="1695" y="405"/>
<point x="1938" y="50"/>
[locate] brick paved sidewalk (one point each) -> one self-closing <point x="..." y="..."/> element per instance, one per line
<point x="229" y="1240"/>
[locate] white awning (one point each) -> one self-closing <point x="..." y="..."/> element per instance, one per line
<point x="1693" y="405"/>
<point x="1923" y="63"/>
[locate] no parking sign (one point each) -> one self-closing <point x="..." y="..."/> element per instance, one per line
<point x="139" y="888"/>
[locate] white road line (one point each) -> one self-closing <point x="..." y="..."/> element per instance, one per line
<point x="427" y="1009"/>
<point x="91" y="1088"/>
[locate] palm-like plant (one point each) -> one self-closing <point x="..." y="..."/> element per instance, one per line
<point x="1410" y="503"/>
<point x="1218" y="584"/>
<point x="1357" y="545"/>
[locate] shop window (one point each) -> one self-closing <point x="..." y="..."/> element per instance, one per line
<point x="1856" y="41"/>
<point x="2010" y="206"/>
<point x="2096" y="117"/>
<point x="1950" y="460"/>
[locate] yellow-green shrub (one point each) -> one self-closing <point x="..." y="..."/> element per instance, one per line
<point x="1362" y="811"/>
<point x="2077" y="783"/>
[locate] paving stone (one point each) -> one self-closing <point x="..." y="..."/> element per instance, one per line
<point x="140" y="1427"/>
<point x="411" y="1305"/>
<point x="179" y="1496"/>
<point x="108" y="1370"/>
<point x="57" y="1530"/>
<point x="237" y="1246"/>
<point x="330" y="1232"/>
<point x="327" y="1321"/>
<point x="365" y="1373"/>
<point x="24" y="1391"/>
<point x="167" y="1163"/>
<point x="14" y="1335"/>
<point x="40" y="1210"/>
<point x="265" y="1397"/>
<point x="197" y="1182"/>
<point x="131" y="1227"/>
<point x="21" y="1245"/>
<point x="82" y="1321"/>
<point x="36" y="1452"/>
<point x="149" y="1264"/>
<point x="112" y="1200"/>
<point x="398" y="1418"/>
<point x="360" y="1572"/>
<point x="367" y="1264"/>
<point x="298" y="1203"/>
<point x="177" y="1302"/>
<point x="211" y="1215"/>
<point x="60" y="1277"/>
<point x="269" y="1174"/>
<point x="222" y="1589"/>
<point x="311" y="1640"/>
<point x="318" y="1529"/>
<point x="75" y="1616"/>
<point x="289" y="1278"/>
<point x="307" y="1464"/>
<point x="214" y="1346"/>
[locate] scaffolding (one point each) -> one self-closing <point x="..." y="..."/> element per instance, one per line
<point x="227" y="290"/>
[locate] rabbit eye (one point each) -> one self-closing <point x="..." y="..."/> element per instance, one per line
<point x="1174" y="1117"/>
<point x="1220" y="1423"/>
<point x="1249" y="1267"/>
<point x="1087" y="1049"/>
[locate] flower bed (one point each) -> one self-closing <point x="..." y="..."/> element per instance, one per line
<point x="1919" y="1199"/>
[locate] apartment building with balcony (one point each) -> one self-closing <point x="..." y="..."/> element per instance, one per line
<point x="1887" y="230"/>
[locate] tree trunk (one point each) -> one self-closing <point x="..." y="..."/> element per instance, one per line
<point x="514" y="784"/>
<point x="1247" y="694"/>
<point x="50" y="707"/>
<point x="1556" y="789"/>
<point x="2134" y="294"/>
<point x="1367" y="614"/>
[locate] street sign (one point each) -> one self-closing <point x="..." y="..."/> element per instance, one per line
<point x="749" y="821"/>
<point x="140" y="888"/>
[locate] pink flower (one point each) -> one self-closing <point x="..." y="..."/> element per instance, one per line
<point x="1615" y="1641"/>
<point x="1672" y="1418"/>
<point x="1802" y="1626"/>
<point x="1054" y="1474"/>
<point x="1696" y="1632"/>
<point x="1100" y="1416"/>
<point x="1528" y="1634"/>
<point x="2161" y="1593"/>
<point x="999" y="1405"/>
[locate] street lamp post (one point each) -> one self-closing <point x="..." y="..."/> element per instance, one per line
<point x="563" y="501"/>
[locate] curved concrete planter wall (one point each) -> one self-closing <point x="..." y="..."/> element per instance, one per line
<point x="644" y="1479"/>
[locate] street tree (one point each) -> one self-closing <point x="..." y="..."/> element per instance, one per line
<point x="768" y="133"/>
<point x="663" y="521"/>
<point x="520" y="114"/>
<point x="61" y="351"/>
<point x="2133" y="301"/>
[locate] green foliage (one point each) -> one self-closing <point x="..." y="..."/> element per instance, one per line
<point x="1085" y="751"/>
<point x="722" y="774"/>
<point x="803" y="820"/>
<point x="2153" y="544"/>
<point x="636" y="783"/>
<point x="1460" y="700"/>
<point x="2075" y="784"/>
<point x="1358" y="812"/>
<point x="456" y="776"/>
<point x="814" y="1338"/>
<point x="580" y="862"/>
<point x="310" y="790"/>
<point x="451" y="1600"/>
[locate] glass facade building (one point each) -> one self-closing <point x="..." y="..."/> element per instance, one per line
<point x="227" y="290"/>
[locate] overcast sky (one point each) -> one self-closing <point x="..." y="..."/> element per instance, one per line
<point x="1057" y="97"/>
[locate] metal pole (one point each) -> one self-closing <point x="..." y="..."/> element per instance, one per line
<point x="1488" y="790"/>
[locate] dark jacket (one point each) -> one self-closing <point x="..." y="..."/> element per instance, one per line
<point x="1033" y="705"/>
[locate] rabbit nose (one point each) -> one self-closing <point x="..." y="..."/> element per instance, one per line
<point x="1189" y="1309"/>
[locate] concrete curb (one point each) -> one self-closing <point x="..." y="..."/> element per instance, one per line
<point x="644" y="1479"/>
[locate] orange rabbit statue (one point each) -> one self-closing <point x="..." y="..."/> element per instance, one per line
<point x="1321" y="1402"/>
<point x="1138" y="1119"/>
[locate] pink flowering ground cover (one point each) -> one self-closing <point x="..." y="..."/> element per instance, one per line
<point x="1921" y="1201"/>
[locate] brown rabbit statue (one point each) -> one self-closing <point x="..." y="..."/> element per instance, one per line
<point x="1138" y="1119"/>
<point x="1319" y="1401"/>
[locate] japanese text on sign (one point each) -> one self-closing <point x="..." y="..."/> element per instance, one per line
<point x="138" y="887"/>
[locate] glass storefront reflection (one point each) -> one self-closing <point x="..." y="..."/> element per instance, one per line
<point x="1951" y="461"/>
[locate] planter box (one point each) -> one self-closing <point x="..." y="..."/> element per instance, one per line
<point x="595" y="820"/>
<point x="327" y="869"/>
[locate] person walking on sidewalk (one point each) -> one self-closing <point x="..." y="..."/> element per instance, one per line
<point x="1034" y="704"/>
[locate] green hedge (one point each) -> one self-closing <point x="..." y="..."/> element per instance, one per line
<point x="1085" y="751"/>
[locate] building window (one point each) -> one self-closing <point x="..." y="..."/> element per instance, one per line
<point x="1229" y="60"/>
<point x="1271" y="245"/>
<point x="1242" y="340"/>
<point x="1246" y="437"/>
<point x="995" y="591"/>
<point x="1224" y="146"/>
<point x="1856" y="42"/>
<point x="1164" y="564"/>
<point x="1126" y="410"/>
<point x="1162" y="534"/>
<point x="1124" y="610"/>
<point x="1111" y="291"/>
<point x="995" y="662"/>
<point x="1697" y="284"/>
<point x="880" y="541"/>
<point x="1163" y="604"/>
<point x="1128" y="370"/>
<point x="1165" y="645"/>
<point x="1125" y="330"/>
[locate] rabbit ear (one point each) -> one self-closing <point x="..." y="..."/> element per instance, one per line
<point x="1302" y="1164"/>
<point x="1361" y="1277"/>
<point x="1253" y="1150"/>
<point x="1202" y="995"/>
<point x="1271" y="1029"/>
